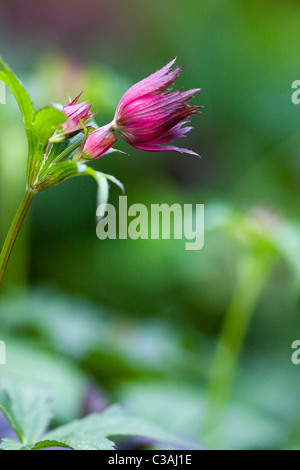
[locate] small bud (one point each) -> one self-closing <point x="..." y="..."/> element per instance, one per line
<point x="97" y="144"/>
<point x="77" y="114"/>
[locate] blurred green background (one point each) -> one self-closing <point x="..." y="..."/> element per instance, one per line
<point x="198" y="341"/>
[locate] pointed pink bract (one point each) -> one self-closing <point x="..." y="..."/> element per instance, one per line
<point x="77" y="113"/>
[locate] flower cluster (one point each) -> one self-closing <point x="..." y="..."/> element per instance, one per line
<point x="61" y="139"/>
<point x="148" y="116"/>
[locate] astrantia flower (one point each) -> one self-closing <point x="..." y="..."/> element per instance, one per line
<point x="149" y="114"/>
<point x="77" y="114"/>
<point x="98" y="143"/>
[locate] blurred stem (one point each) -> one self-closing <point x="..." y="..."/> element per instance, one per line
<point x="14" y="231"/>
<point x="12" y="171"/>
<point x="254" y="273"/>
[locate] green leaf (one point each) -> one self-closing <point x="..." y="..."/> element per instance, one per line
<point x="61" y="377"/>
<point x="39" y="126"/>
<point x="46" y="121"/>
<point x="27" y="407"/>
<point x="79" y="442"/>
<point x="60" y="172"/>
<point x="114" y="421"/>
<point x="47" y="444"/>
<point x="28" y="411"/>
<point x="23" y="100"/>
<point x="11" y="444"/>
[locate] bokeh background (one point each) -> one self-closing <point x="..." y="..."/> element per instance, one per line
<point x="200" y="342"/>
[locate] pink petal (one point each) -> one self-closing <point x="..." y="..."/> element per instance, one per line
<point x="155" y="83"/>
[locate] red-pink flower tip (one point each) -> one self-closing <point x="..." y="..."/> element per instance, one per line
<point x="150" y="114"/>
<point x="77" y="113"/>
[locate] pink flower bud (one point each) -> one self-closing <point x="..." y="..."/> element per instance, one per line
<point x="149" y="114"/>
<point x="77" y="114"/>
<point x="98" y="143"/>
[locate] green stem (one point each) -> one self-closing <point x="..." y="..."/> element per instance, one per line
<point x="14" y="231"/>
<point x="253" y="277"/>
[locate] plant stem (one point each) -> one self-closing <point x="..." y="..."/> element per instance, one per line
<point x="14" y="230"/>
<point x="254" y="273"/>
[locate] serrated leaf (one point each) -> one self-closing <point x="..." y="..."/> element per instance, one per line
<point x="79" y="442"/>
<point x="11" y="444"/>
<point x="47" y="444"/>
<point x="62" y="379"/>
<point x="114" y="421"/>
<point x="27" y="408"/>
<point x="23" y="100"/>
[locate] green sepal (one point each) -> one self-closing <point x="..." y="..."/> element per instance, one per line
<point x="60" y="172"/>
<point x="46" y="122"/>
<point x="39" y="126"/>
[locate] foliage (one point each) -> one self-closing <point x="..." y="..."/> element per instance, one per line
<point x="29" y="410"/>
<point x="142" y="318"/>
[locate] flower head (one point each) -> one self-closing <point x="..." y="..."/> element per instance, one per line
<point x="77" y="115"/>
<point x="150" y="114"/>
<point x="98" y="143"/>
